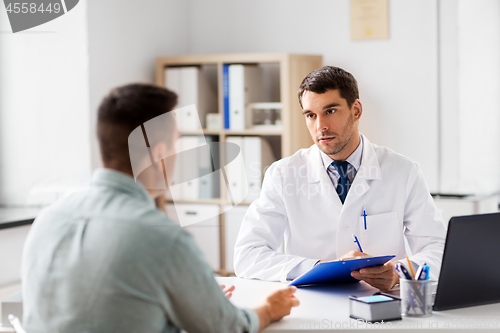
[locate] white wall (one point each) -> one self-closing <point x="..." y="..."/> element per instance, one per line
<point x="479" y="97"/>
<point x="125" y="38"/>
<point x="44" y="118"/>
<point x="470" y="102"/>
<point x="397" y="77"/>
<point x="448" y="96"/>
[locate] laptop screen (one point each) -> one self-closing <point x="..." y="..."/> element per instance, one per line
<point x="470" y="272"/>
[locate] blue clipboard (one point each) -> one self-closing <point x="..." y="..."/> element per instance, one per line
<point x="337" y="271"/>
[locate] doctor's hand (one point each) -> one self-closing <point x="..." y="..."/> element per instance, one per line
<point x="349" y="255"/>
<point x="277" y="306"/>
<point x="383" y="277"/>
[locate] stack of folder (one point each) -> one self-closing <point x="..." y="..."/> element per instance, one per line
<point x="242" y="85"/>
<point x="245" y="178"/>
<point x="192" y="87"/>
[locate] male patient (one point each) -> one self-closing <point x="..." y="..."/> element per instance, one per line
<point x="106" y="260"/>
<point x="341" y="186"/>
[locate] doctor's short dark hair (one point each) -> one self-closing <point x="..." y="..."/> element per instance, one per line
<point x="124" y="109"/>
<point x="330" y="78"/>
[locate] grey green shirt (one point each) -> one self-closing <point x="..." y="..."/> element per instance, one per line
<point x="106" y="260"/>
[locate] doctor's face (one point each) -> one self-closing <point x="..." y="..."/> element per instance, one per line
<point x="332" y="124"/>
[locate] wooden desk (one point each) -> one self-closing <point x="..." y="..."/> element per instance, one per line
<point x="327" y="309"/>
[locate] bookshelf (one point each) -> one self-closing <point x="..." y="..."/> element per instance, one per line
<point x="283" y="74"/>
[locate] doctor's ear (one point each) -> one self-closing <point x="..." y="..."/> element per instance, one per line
<point x="357" y="109"/>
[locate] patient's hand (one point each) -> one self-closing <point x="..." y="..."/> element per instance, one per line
<point x="228" y="292"/>
<point x="277" y="305"/>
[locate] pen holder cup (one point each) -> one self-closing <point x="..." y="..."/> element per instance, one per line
<point x="416" y="298"/>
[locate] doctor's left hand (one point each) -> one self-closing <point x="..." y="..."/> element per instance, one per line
<point x="383" y="277"/>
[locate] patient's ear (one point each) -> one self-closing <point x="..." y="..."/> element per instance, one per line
<point x="159" y="151"/>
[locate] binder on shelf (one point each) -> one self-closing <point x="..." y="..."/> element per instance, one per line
<point x="216" y="168"/>
<point x="237" y="186"/>
<point x="196" y="171"/>
<point x="192" y="87"/>
<point x="209" y="167"/>
<point x="205" y="171"/>
<point x="172" y="82"/>
<point x="225" y="94"/>
<point x="175" y="187"/>
<point x="190" y="168"/>
<point x="258" y="155"/>
<point x="245" y="86"/>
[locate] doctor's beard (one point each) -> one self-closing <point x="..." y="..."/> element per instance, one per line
<point x="339" y="143"/>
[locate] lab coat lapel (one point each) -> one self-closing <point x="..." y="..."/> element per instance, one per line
<point x="368" y="171"/>
<point x="319" y="181"/>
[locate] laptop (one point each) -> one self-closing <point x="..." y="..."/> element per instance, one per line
<point x="470" y="272"/>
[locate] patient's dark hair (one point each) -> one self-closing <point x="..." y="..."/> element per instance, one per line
<point x="329" y="77"/>
<point x="124" y="109"/>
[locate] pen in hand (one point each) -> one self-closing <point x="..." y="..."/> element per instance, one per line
<point x="357" y="242"/>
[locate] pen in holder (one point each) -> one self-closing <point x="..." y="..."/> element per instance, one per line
<point x="416" y="298"/>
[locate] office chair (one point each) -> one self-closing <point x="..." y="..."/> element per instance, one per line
<point x="16" y="324"/>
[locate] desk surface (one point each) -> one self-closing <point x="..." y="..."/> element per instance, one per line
<point x="327" y="309"/>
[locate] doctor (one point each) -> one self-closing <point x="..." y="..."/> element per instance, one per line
<point x="315" y="200"/>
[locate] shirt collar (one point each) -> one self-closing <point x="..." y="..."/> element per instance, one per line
<point x="354" y="159"/>
<point x="121" y="182"/>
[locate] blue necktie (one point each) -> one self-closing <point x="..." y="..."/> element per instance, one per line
<point x="344" y="183"/>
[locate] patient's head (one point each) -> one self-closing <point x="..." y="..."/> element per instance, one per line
<point x="126" y="108"/>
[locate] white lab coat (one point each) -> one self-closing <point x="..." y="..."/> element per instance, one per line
<point x="298" y="204"/>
